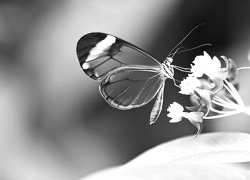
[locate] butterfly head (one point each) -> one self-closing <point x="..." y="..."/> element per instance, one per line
<point x="169" y="60"/>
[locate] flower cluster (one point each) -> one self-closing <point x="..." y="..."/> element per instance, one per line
<point x="213" y="90"/>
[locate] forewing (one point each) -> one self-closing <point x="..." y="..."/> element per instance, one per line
<point x="100" y="53"/>
<point x="131" y="86"/>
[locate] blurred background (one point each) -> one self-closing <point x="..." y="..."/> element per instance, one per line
<point x="55" y="125"/>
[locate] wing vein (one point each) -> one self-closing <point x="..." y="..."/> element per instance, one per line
<point x="143" y="87"/>
<point x="158" y="80"/>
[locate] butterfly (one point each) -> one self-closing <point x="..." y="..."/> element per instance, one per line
<point x="129" y="77"/>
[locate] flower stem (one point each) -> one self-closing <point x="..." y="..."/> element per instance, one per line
<point x="229" y="113"/>
<point x="234" y="93"/>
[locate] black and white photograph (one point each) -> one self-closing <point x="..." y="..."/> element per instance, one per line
<point x="124" y="90"/>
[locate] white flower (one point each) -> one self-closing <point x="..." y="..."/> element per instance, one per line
<point x="204" y="64"/>
<point x="194" y="116"/>
<point x="176" y="112"/>
<point x="189" y="84"/>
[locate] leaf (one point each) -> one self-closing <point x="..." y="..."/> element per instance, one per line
<point x="173" y="171"/>
<point x="209" y="156"/>
<point x="206" y="148"/>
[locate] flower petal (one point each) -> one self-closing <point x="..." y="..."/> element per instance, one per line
<point x="189" y="84"/>
<point x="175" y="120"/>
<point x="196" y="119"/>
<point x="205" y="98"/>
<point x="199" y="127"/>
<point x="211" y="67"/>
<point x="175" y="108"/>
<point x="175" y="112"/>
<point x="196" y="116"/>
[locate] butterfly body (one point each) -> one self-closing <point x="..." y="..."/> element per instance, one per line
<point x="129" y="77"/>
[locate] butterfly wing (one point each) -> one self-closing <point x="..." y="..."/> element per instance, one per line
<point x="156" y="111"/>
<point x="131" y="86"/>
<point x="100" y="53"/>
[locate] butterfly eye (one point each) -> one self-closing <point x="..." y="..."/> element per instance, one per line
<point x="169" y="59"/>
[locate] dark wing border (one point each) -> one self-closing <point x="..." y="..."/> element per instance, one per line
<point x="98" y="59"/>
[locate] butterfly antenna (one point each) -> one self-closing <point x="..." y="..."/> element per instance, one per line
<point x="185" y="49"/>
<point x="171" y="52"/>
<point x="175" y="52"/>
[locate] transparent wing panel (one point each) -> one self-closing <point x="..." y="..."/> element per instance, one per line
<point x="131" y="86"/>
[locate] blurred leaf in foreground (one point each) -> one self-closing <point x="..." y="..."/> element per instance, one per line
<point x="209" y="156"/>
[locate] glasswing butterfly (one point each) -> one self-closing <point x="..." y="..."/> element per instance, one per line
<point x="129" y="77"/>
